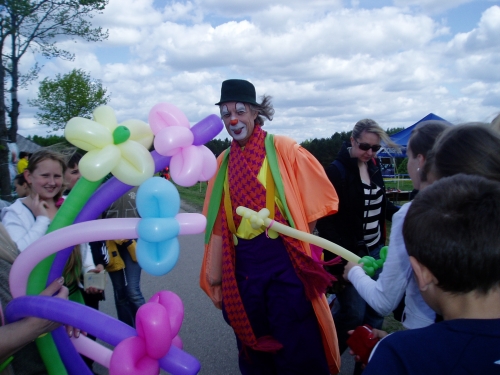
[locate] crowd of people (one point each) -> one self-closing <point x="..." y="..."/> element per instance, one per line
<point x="441" y="265"/>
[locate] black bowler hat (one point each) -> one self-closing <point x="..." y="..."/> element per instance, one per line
<point x="237" y="90"/>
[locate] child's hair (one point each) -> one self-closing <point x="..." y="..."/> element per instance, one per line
<point x="470" y="148"/>
<point x="44" y="154"/>
<point x="452" y="228"/>
<point x="423" y="138"/>
<point x="23" y="154"/>
<point x="20" y="179"/>
<point x="74" y="160"/>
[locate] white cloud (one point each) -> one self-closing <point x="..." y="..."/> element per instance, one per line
<point x="325" y="65"/>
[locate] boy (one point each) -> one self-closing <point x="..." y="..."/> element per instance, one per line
<point x="452" y="234"/>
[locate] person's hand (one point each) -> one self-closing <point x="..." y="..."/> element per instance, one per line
<point x="38" y="207"/>
<point x="58" y="290"/>
<point x="378" y="333"/>
<point x="348" y="267"/>
<point x="93" y="290"/>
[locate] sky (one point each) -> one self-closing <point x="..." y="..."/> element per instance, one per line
<point x="326" y="63"/>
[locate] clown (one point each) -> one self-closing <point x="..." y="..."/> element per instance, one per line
<point x="269" y="288"/>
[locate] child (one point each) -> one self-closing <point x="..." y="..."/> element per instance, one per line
<point x="451" y="234"/>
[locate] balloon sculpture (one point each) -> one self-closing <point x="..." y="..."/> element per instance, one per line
<point x="261" y="219"/>
<point x="122" y="150"/>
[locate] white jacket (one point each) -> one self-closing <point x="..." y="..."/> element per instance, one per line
<point x="21" y="224"/>
<point x="384" y="294"/>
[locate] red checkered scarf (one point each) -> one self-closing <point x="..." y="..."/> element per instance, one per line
<point x="246" y="190"/>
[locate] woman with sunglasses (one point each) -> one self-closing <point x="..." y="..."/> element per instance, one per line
<point x="359" y="225"/>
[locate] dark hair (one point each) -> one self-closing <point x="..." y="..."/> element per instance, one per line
<point x="452" y="229"/>
<point x="422" y="140"/>
<point x="21" y="180"/>
<point x="74" y="160"/>
<point x="22" y="154"/>
<point x="470" y="149"/>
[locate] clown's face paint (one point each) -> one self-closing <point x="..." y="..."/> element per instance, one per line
<point x="239" y="120"/>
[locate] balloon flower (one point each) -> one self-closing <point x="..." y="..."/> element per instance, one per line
<point x="191" y="161"/>
<point x="158" y="322"/>
<point x="121" y="149"/>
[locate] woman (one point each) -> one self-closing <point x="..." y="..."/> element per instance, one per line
<point x="386" y="292"/>
<point x="359" y="225"/>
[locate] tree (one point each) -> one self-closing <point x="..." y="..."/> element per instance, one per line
<point x="36" y="26"/>
<point x="74" y="94"/>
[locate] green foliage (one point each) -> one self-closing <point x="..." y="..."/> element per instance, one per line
<point x="391" y="131"/>
<point x="36" y="26"/>
<point x="218" y="145"/>
<point x="50" y="140"/>
<point x="70" y="95"/>
<point x="326" y="149"/>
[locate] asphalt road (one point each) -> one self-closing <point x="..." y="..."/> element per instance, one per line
<point x="204" y="332"/>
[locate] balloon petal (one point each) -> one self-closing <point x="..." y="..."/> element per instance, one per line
<point x="87" y="134"/>
<point x="164" y="115"/>
<point x="105" y="115"/>
<point x="170" y="141"/>
<point x="140" y="132"/>
<point x="209" y="164"/>
<point x="186" y="166"/>
<point x="158" y="197"/>
<point x="136" y="164"/>
<point x="96" y="164"/>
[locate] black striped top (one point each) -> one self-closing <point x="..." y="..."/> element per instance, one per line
<point x="371" y="215"/>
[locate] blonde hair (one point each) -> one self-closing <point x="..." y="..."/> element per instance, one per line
<point x="370" y="126"/>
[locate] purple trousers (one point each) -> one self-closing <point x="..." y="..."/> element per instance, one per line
<point x="276" y="305"/>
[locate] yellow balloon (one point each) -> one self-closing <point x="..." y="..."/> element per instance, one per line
<point x="263" y="217"/>
<point x="96" y="164"/>
<point x="105" y="115"/>
<point x="140" y="132"/>
<point x="87" y="134"/>
<point x="136" y="164"/>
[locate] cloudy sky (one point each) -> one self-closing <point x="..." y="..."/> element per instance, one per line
<point x="327" y="63"/>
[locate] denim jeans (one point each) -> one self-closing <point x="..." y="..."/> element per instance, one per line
<point x="127" y="291"/>
<point x="354" y="311"/>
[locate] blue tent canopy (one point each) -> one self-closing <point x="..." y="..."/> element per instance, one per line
<point x="401" y="138"/>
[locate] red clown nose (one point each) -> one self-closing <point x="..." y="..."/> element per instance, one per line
<point x="233" y="121"/>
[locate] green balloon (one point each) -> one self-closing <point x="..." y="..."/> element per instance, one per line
<point x="37" y="280"/>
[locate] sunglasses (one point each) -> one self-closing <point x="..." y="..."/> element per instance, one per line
<point x="367" y="146"/>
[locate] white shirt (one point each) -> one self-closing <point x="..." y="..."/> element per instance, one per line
<point x="384" y="294"/>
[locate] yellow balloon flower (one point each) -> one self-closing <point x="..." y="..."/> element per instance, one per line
<point x="121" y="149"/>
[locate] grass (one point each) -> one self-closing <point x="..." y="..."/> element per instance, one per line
<point x="399" y="184"/>
<point x="193" y="195"/>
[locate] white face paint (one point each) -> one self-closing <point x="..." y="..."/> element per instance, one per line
<point x="239" y="121"/>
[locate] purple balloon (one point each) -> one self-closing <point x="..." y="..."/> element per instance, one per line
<point x="71" y="359"/>
<point x="96" y="323"/>
<point x="206" y="129"/>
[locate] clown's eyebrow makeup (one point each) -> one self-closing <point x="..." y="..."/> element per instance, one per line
<point x="240" y="107"/>
<point x="224" y="111"/>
